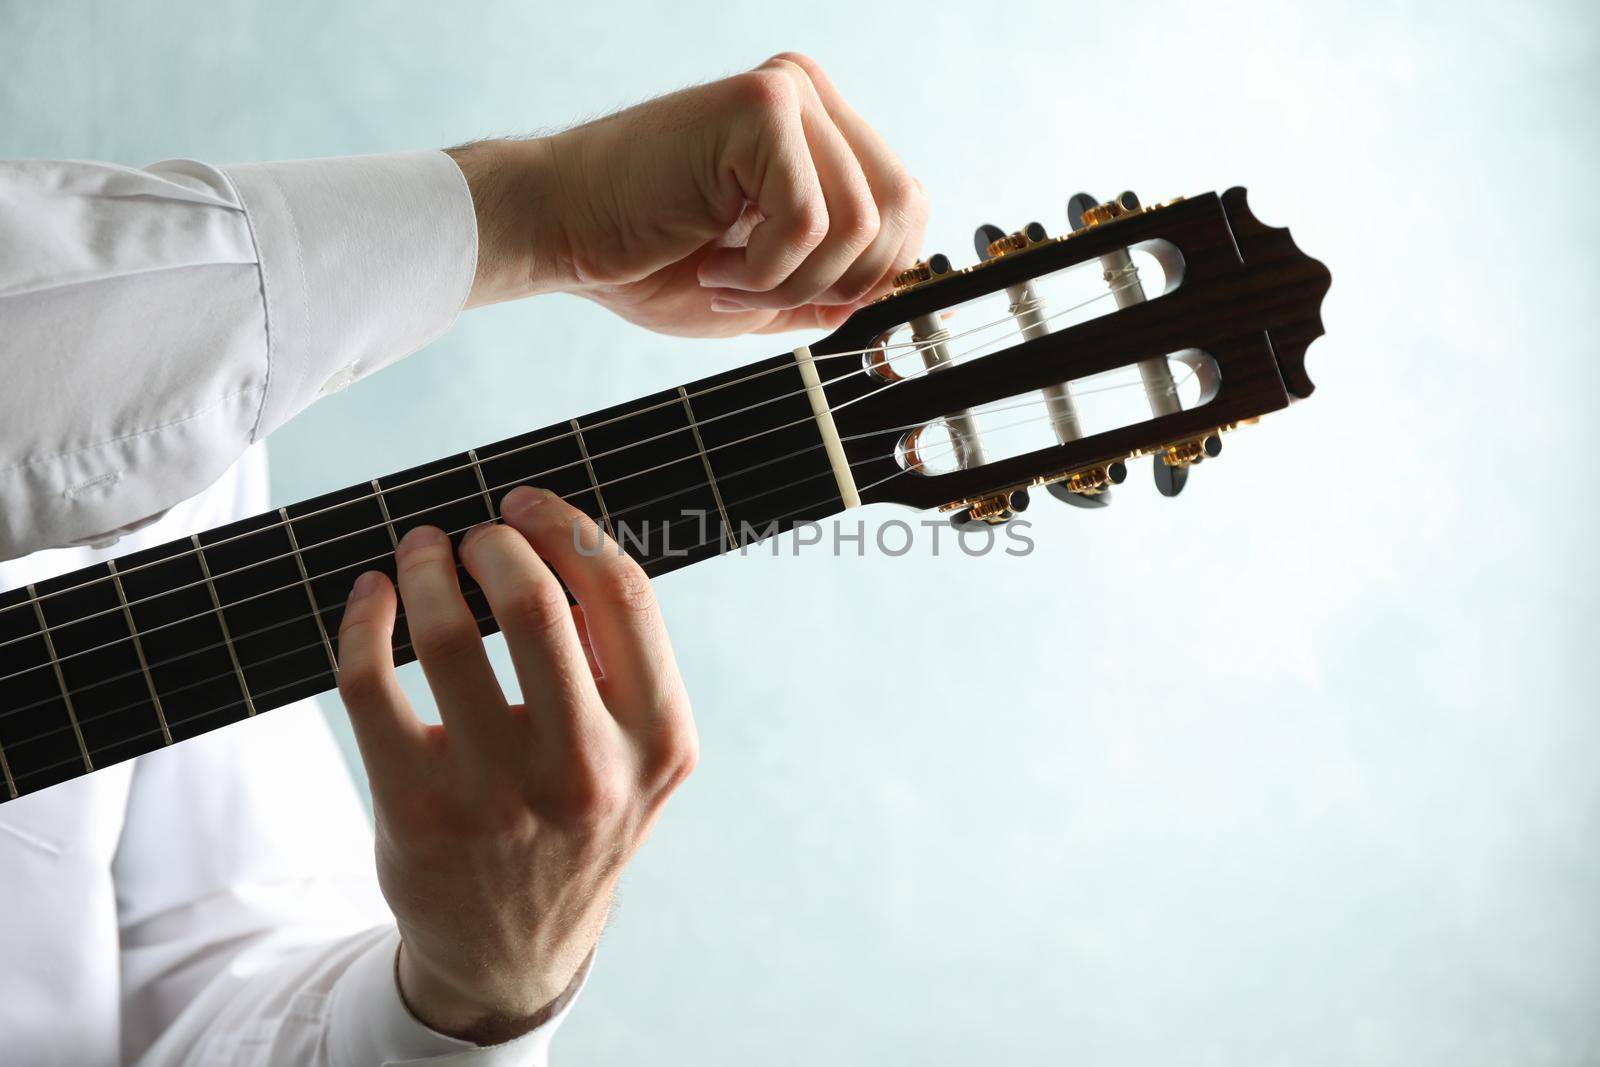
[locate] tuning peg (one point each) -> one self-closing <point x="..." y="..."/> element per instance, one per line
<point x="1170" y="480"/>
<point x="983" y="237"/>
<point x="995" y="510"/>
<point x="1085" y="210"/>
<point x="1077" y="204"/>
<point x="1171" y="467"/>
<point x="1089" y="488"/>
<point x="922" y="272"/>
<point x="991" y="242"/>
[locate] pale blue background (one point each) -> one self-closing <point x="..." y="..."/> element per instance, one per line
<point x="1300" y="769"/>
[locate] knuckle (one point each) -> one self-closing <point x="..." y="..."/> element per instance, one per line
<point x="675" y="756"/>
<point x="357" y="632"/>
<point x="444" y="640"/>
<point x="768" y="91"/>
<point x="906" y="200"/>
<point x="810" y="223"/>
<point x="596" y="796"/>
<point x="537" y="607"/>
<point x="424" y="557"/>
<point x="862" y="220"/>
<point x="807" y="66"/>
<point x="627" y="587"/>
<point x="360" y="683"/>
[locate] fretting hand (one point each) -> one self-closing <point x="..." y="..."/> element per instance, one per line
<point x="502" y="831"/>
<point x="759" y="202"/>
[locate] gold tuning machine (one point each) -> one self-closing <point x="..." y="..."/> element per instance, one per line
<point x="1188" y="453"/>
<point x="1087" y="487"/>
<point x="1172" y="463"/>
<point x="1123" y="205"/>
<point x="1088" y="214"/>
<point x="1030" y="236"/>
<point x="994" y="509"/>
<point x="922" y="272"/>
<point x="1091" y="480"/>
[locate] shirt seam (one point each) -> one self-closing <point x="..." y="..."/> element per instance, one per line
<point x="266" y="303"/>
<point x="35" y="461"/>
<point x="299" y="261"/>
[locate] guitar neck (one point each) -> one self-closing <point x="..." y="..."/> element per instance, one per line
<point x="115" y="660"/>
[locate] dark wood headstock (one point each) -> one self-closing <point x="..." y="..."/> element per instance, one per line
<point x="1236" y="289"/>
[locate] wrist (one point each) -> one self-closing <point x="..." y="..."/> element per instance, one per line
<point x="522" y="245"/>
<point x="446" y="1007"/>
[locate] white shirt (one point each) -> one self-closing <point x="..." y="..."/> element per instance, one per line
<point x="190" y="906"/>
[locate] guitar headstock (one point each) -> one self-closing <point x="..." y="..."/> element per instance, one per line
<point x="1054" y="361"/>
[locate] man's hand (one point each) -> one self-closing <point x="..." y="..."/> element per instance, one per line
<point x="501" y="832"/>
<point x="759" y="202"/>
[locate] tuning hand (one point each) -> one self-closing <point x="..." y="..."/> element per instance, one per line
<point x="502" y="832"/>
<point x="759" y="202"/>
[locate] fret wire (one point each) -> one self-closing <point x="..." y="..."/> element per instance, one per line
<point x="483" y="485"/>
<point x="61" y="678"/>
<point x="588" y="465"/>
<point x="780" y="366"/>
<point x="5" y="766"/>
<point x="138" y="650"/>
<point x="227" y="638"/>
<point x="311" y="597"/>
<point x="711" y="477"/>
<point x="383" y="506"/>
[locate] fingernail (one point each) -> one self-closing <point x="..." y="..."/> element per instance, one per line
<point x="522" y="500"/>
<point x="720" y="303"/>
<point x="421" y="537"/>
<point x="365" y="585"/>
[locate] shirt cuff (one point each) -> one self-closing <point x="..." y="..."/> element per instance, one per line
<point x="364" y="260"/>
<point x="371" y="1025"/>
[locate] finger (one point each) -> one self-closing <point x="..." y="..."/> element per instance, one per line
<point x="831" y="316"/>
<point x="806" y="317"/>
<point x="852" y="214"/>
<point x="626" y="631"/>
<point x="775" y="170"/>
<point x="388" y="732"/>
<point x="445" y="636"/>
<point x="902" y="202"/>
<point x="533" y="613"/>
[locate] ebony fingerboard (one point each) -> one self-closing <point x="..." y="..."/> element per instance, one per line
<point x="106" y="663"/>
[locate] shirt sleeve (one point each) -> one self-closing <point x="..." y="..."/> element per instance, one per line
<point x="154" y="323"/>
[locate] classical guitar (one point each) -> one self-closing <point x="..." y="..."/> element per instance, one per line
<point x="961" y="390"/>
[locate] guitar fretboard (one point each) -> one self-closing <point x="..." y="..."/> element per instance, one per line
<point x="115" y="660"/>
